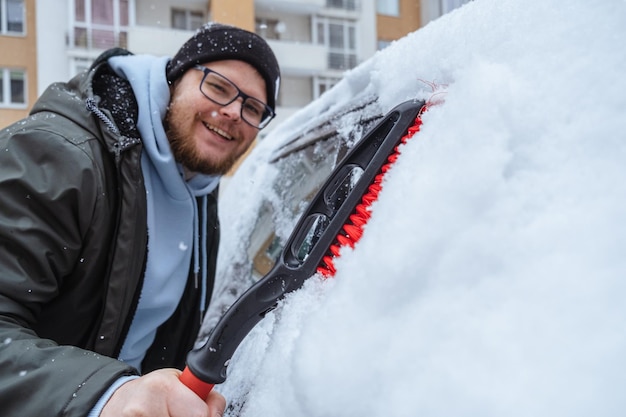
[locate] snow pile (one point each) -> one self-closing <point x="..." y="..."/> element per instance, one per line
<point x="491" y="277"/>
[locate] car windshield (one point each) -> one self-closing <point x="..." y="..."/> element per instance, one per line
<point x="303" y="164"/>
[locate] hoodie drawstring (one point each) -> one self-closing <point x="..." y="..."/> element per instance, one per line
<point x="203" y="251"/>
<point x="200" y="260"/>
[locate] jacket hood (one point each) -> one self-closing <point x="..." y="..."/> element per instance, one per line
<point x="78" y="100"/>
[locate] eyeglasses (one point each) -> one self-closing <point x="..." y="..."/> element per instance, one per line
<point x="223" y="91"/>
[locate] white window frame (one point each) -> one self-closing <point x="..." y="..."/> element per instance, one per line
<point x="269" y="28"/>
<point x="4" y="24"/>
<point x="321" y="35"/>
<point x="343" y="4"/>
<point x="5" y="97"/>
<point x="89" y="26"/>
<point x="326" y="83"/>
<point x="446" y="6"/>
<point x="388" y="7"/>
<point x="189" y="16"/>
<point x="79" y="64"/>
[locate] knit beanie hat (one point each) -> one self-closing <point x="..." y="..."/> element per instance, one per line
<point x="215" y="42"/>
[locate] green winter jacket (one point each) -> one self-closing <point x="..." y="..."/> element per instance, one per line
<point x="73" y="239"/>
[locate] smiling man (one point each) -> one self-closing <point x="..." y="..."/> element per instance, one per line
<point x="108" y="224"/>
<point x="227" y="119"/>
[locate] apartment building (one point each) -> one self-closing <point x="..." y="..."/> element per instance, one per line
<point x="315" y="41"/>
<point x="18" y="59"/>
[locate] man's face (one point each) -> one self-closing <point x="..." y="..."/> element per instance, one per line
<point x="207" y="137"/>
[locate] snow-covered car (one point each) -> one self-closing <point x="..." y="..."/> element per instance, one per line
<point x="489" y="279"/>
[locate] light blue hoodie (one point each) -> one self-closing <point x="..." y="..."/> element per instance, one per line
<point x="175" y="238"/>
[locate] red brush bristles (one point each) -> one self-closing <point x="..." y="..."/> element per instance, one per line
<point x="352" y="231"/>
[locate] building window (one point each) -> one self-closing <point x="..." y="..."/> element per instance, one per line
<point x="340" y="38"/>
<point x="12" y="16"/>
<point x="446" y="6"/>
<point x="12" y="87"/>
<point x="323" y="84"/>
<point x="100" y="24"/>
<point x="382" y="44"/>
<point x="342" y="4"/>
<point x="187" y="19"/>
<point x="269" y="28"/>
<point x="388" y="7"/>
<point x="79" y="64"/>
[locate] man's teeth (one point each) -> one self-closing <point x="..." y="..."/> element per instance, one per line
<point x="218" y="131"/>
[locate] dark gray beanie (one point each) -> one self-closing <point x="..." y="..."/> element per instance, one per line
<point x="215" y="42"/>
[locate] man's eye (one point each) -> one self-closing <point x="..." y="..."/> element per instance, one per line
<point x="219" y="88"/>
<point x="253" y="109"/>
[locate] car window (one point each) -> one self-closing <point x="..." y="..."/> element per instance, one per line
<point x="304" y="163"/>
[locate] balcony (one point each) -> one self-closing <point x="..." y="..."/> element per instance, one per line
<point x="307" y="7"/>
<point x="156" y="41"/>
<point x="343" y="4"/>
<point x="292" y="6"/>
<point x="300" y="58"/>
<point x="294" y="57"/>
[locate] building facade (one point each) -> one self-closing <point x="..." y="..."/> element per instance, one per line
<point x="315" y="41"/>
<point x="18" y="60"/>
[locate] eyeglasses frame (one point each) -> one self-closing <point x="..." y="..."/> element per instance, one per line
<point x="240" y="93"/>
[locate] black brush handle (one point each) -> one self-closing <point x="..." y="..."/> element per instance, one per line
<point x="316" y="230"/>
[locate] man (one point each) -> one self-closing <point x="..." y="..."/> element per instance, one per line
<point x="108" y="225"/>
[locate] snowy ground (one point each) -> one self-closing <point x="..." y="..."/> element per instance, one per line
<point x="490" y="280"/>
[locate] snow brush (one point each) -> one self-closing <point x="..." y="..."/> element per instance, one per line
<point x="334" y="219"/>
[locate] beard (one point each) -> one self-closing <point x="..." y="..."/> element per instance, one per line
<point x="178" y="125"/>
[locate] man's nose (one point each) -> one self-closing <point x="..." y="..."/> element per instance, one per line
<point x="233" y="110"/>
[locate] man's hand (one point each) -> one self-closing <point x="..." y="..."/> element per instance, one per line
<point x="161" y="394"/>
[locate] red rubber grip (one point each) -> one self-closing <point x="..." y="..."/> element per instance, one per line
<point x="201" y="388"/>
